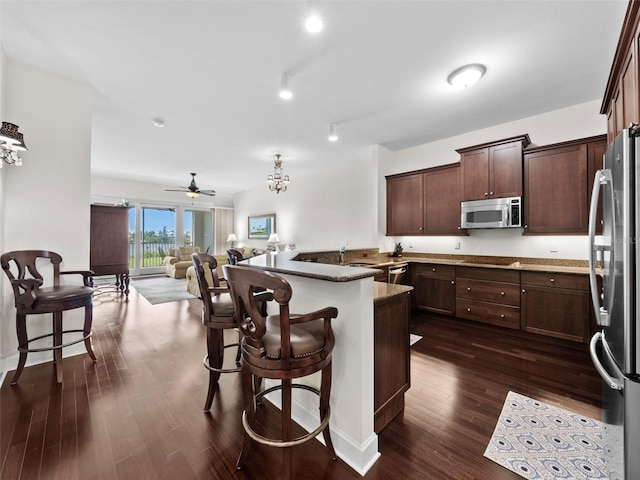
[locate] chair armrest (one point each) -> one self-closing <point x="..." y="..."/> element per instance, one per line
<point x="327" y="313"/>
<point x="263" y="296"/>
<point x="87" y="276"/>
<point x="27" y="286"/>
<point x="170" y="260"/>
<point x="218" y="290"/>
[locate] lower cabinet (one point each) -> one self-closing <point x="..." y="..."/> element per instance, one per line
<point x="435" y="288"/>
<point x="391" y="357"/>
<point x="556" y="305"/>
<point x="488" y="295"/>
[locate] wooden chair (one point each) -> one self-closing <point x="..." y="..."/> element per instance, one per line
<point x="282" y="347"/>
<point x="234" y="256"/>
<point x="31" y="297"/>
<point x="218" y="315"/>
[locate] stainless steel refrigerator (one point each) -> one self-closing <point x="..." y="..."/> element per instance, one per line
<point x="614" y="259"/>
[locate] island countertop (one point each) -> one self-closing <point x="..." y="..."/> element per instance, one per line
<point x="282" y="263"/>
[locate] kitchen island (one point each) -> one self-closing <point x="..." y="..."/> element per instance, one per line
<point x="353" y="292"/>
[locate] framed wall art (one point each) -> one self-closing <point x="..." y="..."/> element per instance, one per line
<point x="261" y="226"/>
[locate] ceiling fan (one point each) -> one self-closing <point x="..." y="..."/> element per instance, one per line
<point x="192" y="190"/>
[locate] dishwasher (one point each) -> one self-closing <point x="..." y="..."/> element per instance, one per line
<point x="397" y="273"/>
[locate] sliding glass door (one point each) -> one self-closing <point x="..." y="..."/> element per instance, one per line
<point x="153" y="230"/>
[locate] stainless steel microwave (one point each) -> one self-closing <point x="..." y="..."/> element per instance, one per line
<point x="492" y="213"/>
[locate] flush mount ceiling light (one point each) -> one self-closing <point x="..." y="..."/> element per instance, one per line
<point x="313" y="24"/>
<point x="285" y="87"/>
<point x="158" y="122"/>
<point x="278" y="182"/>
<point x="333" y="134"/>
<point x="11" y="142"/>
<point x="466" y="76"/>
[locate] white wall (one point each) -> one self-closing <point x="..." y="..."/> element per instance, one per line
<point x="46" y="200"/>
<point x="112" y="190"/>
<point x="575" y="122"/>
<point x="319" y="211"/>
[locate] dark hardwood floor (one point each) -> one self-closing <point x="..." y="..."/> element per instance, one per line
<point x="137" y="413"/>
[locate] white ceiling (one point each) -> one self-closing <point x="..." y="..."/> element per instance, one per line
<point x="211" y="70"/>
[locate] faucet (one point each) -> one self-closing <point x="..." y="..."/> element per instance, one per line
<point x="341" y="257"/>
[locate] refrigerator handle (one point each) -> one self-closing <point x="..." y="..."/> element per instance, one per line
<point x="602" y="313"/>
<point x="608" y="379"/>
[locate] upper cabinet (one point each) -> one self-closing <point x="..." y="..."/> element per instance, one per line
<point x="620" y="102"/>
<point x="424" y="202"/>
<point x="493" y="170"/>
<point x="557" y="184"/>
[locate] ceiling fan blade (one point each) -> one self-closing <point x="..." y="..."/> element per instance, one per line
<point x="174" y="190"/>
<point x="211" y="193"/>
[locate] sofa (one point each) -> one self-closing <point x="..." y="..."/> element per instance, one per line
<point x="192" y="279"/>
<point x="178" y="260"/>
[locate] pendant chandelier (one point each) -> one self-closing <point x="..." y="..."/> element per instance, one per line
<point x="278" y="182"/>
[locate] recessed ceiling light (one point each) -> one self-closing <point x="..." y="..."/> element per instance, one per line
<point x="313" y="24"/>
<point x="285" y="87"/>
<point x="466" y="76"/>
<point x="158" y="122"/>
<point x="333" y="135"/>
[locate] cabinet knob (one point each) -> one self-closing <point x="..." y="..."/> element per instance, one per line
<point x="526" y="226"/>
<point x="552" y="280"/>
<point x="420" y="228"/>
<point x="468" y="309"/>
<point x="459" y="228"/>
<point x="502" y="316"/>
<point x="502" y="293"/>
<point x="524" y="291"/>
<point x="433" y="269"/>
<point x="486" y="194"/>
<point x="490" y="193"/>
<point x="452" y="282"/>
<point x="468" y="289"/>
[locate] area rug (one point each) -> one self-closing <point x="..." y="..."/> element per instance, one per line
<point x="162" y="289"/>
<point x="540" y="441"/>
<point x="413" y="338"/>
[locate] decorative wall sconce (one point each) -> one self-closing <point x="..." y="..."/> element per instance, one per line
<point x="278" y="181"/>
<point x="11" y="142"/>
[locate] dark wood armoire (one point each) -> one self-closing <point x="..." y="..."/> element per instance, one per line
<point x="110" y="243"/>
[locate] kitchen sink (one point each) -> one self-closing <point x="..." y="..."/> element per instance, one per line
<point x="360" y="264"/>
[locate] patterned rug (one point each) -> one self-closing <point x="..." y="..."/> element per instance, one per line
<point x="161" y="289"/>
<point x="539" y="441"/>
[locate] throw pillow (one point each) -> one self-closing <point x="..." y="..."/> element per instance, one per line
<point x="247" y="252"/>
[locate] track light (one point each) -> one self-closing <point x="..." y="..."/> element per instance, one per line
<point x="285" y="87"/>
<point x="333" y="135"/>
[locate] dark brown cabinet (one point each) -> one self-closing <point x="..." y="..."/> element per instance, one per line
<point x="391" y="357"/>
<point x="434" y="287"/>
<point x="557" y="182"/>
<point x="556" y="305"/>
<point x="488" y="295"/>
<point x="109" y="243"/>
<point x="405" y="204"/>
<point x="425" y="202"/>
<point x="493" y="170"/>
<point x="620" y="102"/>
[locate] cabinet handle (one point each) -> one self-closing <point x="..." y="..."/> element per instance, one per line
<point x="468" y="289"/>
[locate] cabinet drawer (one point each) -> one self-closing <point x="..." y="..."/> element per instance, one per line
<point x="557" y="280"/>
<point x="492" y="274"/>
<point x="485" y="291"/>
<point x="435" y="270"/>
<point x="495" y="314"/>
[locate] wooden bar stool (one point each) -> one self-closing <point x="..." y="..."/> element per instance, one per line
<point x="31" y="297"/>
<point x="281" y="347"/>
<point x="218" y="315"/>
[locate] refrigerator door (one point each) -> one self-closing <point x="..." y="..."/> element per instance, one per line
<point x="619" y="259"/>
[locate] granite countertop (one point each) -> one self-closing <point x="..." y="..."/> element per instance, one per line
<point x="320" y="271"/>
<point x="382" y="290"/>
